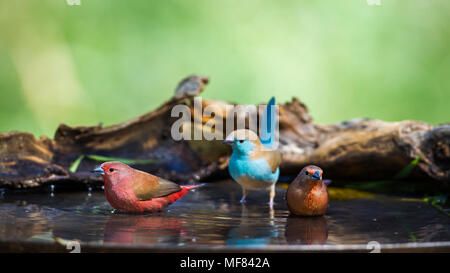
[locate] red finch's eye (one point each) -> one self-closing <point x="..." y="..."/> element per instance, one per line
<point x="111" y="170"/>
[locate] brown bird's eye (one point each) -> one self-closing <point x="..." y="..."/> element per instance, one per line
<point x="306" y="172"/>
<point x="241" y="141"/>
<point x="111" y="170"/>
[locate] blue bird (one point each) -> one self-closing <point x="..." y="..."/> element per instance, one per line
<point x="254" y="164"/>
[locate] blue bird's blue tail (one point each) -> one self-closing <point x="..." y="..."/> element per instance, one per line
<point x="268" y="124"/>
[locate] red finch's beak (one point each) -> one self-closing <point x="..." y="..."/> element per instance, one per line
<point x="98" y="170"/>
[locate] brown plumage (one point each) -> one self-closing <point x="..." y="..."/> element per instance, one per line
<point x="307" y="195"/>
<point x="272" y="157"/>
<point x="147" y="186"/>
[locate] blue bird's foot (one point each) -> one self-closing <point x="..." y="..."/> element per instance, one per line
<point x="244" y="195"/>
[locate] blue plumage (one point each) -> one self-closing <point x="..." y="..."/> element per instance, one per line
<point x="242" y="166"/>
<point x="252" y="164"/>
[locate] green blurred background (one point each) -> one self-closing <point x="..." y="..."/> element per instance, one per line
<point x="111" y="60"/>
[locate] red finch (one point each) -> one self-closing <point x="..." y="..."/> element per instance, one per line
<point x="131" y="190"/>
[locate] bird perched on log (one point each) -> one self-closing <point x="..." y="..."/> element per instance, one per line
<point x="253" y="164"/>
<point x="191" y="86"/>
<point x="307" y="195"/>
<point x="131" y="190"/>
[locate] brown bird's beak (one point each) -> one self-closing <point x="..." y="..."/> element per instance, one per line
<point x="316" y="176"/>
<point x="99" y="171"/>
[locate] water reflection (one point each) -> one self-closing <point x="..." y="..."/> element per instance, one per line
<point x="143" y="229"/>
<point x="306" y="230"/>
<point x="213" y="216"/>
<point x="256" y="227"/>
<point x="20" y="220"/>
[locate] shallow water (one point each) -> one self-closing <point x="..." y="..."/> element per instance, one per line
<point x="213" y="217"/>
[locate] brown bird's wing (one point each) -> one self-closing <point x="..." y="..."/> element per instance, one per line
<point x="147" y="186"/>
<point x="272" y="157"/>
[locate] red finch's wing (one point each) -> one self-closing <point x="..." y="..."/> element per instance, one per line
<point x="147" y="186"/>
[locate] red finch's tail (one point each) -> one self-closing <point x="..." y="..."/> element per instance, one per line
<point x="184" y="189"/>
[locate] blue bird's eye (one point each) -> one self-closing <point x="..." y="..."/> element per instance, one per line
<point x="241" y="141"/>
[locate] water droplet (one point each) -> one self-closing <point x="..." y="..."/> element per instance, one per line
<point x="52" y="188"/>
<point x="374" y="219"/>
<point x="52" y="194"/>
<point x="90" y="189"/>
<point x="103" y="188"/>
<point x="194" y="240"/>
<point x="89" y="194"/>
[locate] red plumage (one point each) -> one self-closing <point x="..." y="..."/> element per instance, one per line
<point x="131" y="190"/>
<point x="158" y="204"/>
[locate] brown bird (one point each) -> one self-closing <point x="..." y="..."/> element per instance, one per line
<point x="307" y="195"/>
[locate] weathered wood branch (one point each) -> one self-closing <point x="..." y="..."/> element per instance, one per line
<point x="357" y="149"/>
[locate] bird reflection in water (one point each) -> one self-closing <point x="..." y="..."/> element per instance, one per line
<point x="306" y="230"/>
<point x="143" y="229"/>
<point x="255" y="228"/>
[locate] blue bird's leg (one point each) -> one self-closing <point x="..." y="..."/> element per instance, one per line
<point x="244" y="194"/>
<point x="272" y="196"/>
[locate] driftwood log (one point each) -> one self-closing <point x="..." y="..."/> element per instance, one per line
<point x="358" y="149"/>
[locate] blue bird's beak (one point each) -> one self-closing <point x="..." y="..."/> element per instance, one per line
<point x="316" y="176"/>
<point x="98" y="170"/>
<point x="228" y="142"/>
